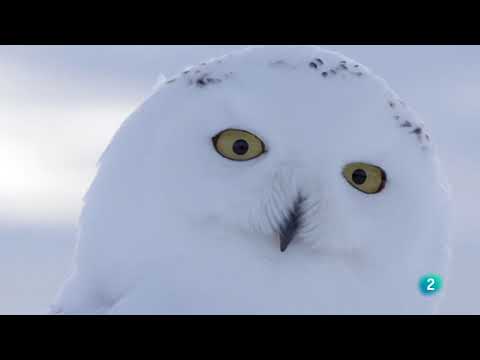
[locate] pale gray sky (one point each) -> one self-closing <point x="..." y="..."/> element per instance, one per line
<point x="60" y="106"/>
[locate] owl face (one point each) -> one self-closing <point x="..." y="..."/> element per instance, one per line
<point x="301" y="149"/>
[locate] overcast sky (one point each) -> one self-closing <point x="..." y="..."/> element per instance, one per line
<point x="60" y="106"/>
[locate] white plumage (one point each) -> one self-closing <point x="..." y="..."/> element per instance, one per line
<point x="171" y="227"/>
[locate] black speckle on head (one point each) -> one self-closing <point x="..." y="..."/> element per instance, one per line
<point x="343" y="66"/>
<point x="325" y="74"/>
<point x="316" y="63"/>
<point x="406" y="124"/>
<point x="391" y="104"/>
<point x="205" y="80"/>
<point x="278" y="62"/>
<point x="201" y="82"/>
<point x="417" y="131"/>
<point x="282" y="64"/>
<point x="333" y="71"/>
<point x="356" y="71"/>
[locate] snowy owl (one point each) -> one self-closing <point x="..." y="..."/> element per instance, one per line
<point x="274" y="180"/>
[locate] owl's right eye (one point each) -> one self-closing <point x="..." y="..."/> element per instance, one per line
<point x="238" y="145"/>
<point x="367" y="178"/>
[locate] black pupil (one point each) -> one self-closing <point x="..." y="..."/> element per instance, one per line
<point x="240" y="147"/>
<point x="359" y="176"/>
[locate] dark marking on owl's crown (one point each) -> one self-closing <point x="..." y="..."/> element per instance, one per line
<point x="202" y="82"/>
<point x="316" y="63"/>
<point x="206" y="79"/>
<point x="415" y="128"/>
<point x="282" y="64"/>
<point x="417" y="131"/>
<point x="278" y="63"/>
<point x="342" y="67"/>
<point x="204" y="75"/>
<point x="202" y="79"/>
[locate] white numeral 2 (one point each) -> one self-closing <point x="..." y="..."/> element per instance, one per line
<point x="431" y="282"/>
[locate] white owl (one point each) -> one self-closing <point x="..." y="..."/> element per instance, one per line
<point x="275" y="180"/>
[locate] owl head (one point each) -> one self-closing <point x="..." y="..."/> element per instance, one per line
<point x="271" y="156"/>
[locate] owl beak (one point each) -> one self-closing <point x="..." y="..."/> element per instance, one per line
<point x="285" y="242"/>
<point x="293" y="224"/>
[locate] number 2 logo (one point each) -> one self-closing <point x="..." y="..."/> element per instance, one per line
<point x="430" y="284"/>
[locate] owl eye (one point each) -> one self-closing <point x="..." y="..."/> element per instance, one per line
<point x="238" y="145"/>
<point x="369" y="179"/>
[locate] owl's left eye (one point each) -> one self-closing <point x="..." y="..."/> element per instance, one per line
<point x="238" y="145"/>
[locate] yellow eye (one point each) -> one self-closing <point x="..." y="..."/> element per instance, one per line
<point x="369" y="179"/>
<point x="238" y="145"/>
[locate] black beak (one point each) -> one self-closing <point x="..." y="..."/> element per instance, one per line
<point x="292" y="225"/>
<point x="285" y="240"/>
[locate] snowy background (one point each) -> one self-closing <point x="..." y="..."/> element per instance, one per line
<point x="60" y="106"/>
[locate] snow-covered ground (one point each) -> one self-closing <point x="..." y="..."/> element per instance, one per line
<point x="59" y="107"/>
